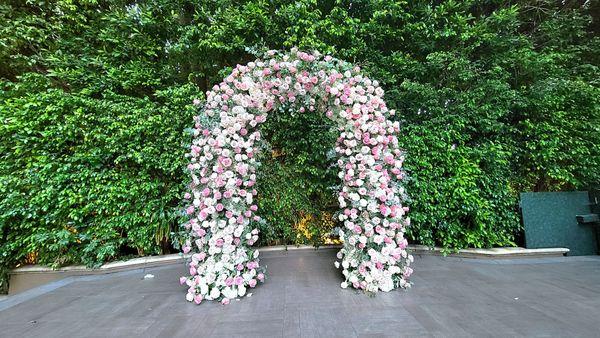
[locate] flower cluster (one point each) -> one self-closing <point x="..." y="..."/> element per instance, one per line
<point x="221" y="202"/>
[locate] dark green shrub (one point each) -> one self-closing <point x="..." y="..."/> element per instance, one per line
<point x="494" y="97"/>
<point x="86" y="179"/>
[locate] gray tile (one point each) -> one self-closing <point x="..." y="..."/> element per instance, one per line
<point x="451" y="297"/>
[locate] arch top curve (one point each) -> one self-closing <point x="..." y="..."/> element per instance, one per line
<point x="220" y="205"/>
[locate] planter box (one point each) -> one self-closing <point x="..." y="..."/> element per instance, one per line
<point x="549" y="220"/>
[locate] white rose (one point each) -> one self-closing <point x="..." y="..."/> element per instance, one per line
<point x="387" y="285"/>
<point x="238" y="110"/>
<point x="342" y="202"/>
<point x="241" y="290"/>
<point x="215" y="293"/>
<point x="229" y="292"/>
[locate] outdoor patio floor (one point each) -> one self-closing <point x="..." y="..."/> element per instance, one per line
<point x="302" y="298"/>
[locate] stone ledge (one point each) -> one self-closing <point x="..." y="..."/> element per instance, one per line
<point x="151" y="261"/>
<point x="493" y="253"/>
<point x="144" y="262"/>
<point x="133" y="263"/>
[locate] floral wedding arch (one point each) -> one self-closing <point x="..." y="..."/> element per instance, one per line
<point x="221" y="205"/>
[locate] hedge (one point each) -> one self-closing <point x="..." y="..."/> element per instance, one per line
<point x="494" y="97"/>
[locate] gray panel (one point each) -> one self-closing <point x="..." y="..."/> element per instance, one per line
<point x="549" y="219"/>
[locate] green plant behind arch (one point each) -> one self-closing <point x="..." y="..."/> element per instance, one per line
<point x="296" y="182"/>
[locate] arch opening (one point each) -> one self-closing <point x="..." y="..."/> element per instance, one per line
<point x="221" y="206"/>
<point x="297" y="180"/>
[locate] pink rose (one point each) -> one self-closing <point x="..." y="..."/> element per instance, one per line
<point x="182" y="280"/>
<point x="403" y="244"/>
<point x="226" y="161"/>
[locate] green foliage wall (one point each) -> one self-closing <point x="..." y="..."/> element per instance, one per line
<point x="496" y="97"/>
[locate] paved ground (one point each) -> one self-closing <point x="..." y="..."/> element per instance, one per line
<point x="451" y="297"/>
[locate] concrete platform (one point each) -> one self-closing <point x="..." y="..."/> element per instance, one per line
<point x="452" y="296"/>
